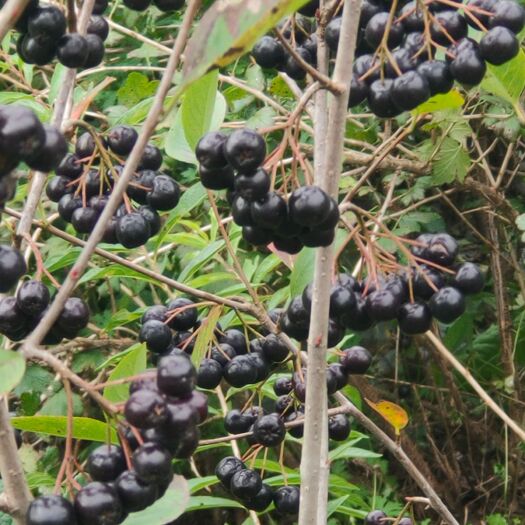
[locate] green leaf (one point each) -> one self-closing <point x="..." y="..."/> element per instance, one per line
<point x="36" y="379"/>
<point x="83" y="427"/>
<point x="450" y="163"/>
<point x="520" y="222"/>
<point x="35" y="480"/>
<point x="114" y="270"/>
<point x="166" y="509"/>
<point x="508" y="82"/>
<point x="205" y="334"/>
<point x="136" y="88"/>
<point x="42" y="112"/>
<point x="56" y="405"/>
<point x="452" y="99"/>
<point x="210" y="502"/>
<point x="228" y="30"/>
<point x="197" y="107"/>
<point x="197" y="484"/>
<point x="348" y="451"/>
<point x="12" y="368"/>
<point x="335" y="504"/>
<point x="176" y="143"/>
<point x="131" y="364"/>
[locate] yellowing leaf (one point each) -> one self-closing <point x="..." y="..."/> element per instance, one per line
<point x="394" y="414"/>
<point x="452" y="99"/>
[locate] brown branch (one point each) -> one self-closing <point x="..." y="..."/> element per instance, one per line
<point x="9" y="14"/>
<point x="16" y="497"/>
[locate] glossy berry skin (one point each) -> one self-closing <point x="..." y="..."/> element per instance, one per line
<point x="376" y="517"/>
<point x="98" y="504"/>
<point x="180" y="416"/>
<point x="342" y="300"/>
<point x="282" y="386"/>
<point x="72" y="50"/>
<point x="12" y="319"/>
<point x="221" y="178"/>
<point x="47" y="22"/>
<point x="257" y="236"/>
<point x="236" y="339"/>
<point x="338" y="372"/>
<point x="268" y="52"/>
<point x="332" y="32"/>
<point x="121" y="139"/>
<point x="356" y="360"/>
<point x="176" y="375"/>
<point x="406" y="521"/>
<point x="209" y="374"/>
<point x="12" y="267"/>
<point x="420" y="284"/>
<point x="438" y="76"/>
<point x="32" y="297"/>
<point x="74" y="315"/>
<point x="85" y="145"/>
<point x="145" y="409"/>
<point x="261" y="365"/>
<point x="261" y="501"/>
<point x="293" y="68"/>
<point x="499" y="45"/>
<point x="169" y="5"/>
<point x="51" y="153"/>
<point x="98" y="26"/>
<point x="240" y="371"/>
<point x="222" y="353"/>
<point x="468" y="68"/>
<point x="50" y="510"/>
<point x="164" y="194"/>
<point x="380" y="98"/>
<point x="21" y="131"/>
<point x="245" y="150"/>
<point x="376" y="27"/>
<point x="152" y="463"/>
<point x="447" y="304"/>
<point x="382" y="305"/>
<point x="156" y="335"/>
<point x="245" y="484"/>
<point x="137" y="5"/>
<point x="134" y="493"/>
<point x="309" y="206"/>
<point x="100" y="6"/>
<point x="442" y="249"/>
<point x="269" y="212"/>
<point x="414" y="318"/>
<point x="339" y="427"/>
<point x="237" y="422"/>
<point x="132" y="230"/>
<point x="469" y="278"/>
<point x="410" y="90"/>
<point x="95" y="51"/>
<point x="274" y="349"/>
<point x="254" y="186"/>
<point x="227" y="467"/>
<point x="286" y="499"/>
<point x="269" y="430"/>
<point x="451" y="22"/>
<point x="508" y="14"/>
<point x="209" y="150"/>
<point x="151" y="158"/>
<point x="186" y="318"/>
<point x="106" y="463"/>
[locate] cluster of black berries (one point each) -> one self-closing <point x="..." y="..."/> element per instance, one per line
<point x="378" y="517"/>
<point x="43" y="38"/>
<point x="307" y="218"/>
<point x="164" y="410"/>
<point x="82" y="190"/>
<point x="23" y="138"/>
<point x="247" y="486"/>
<point x="413" y="74"/>
<point x="241" y="362"/>
<point x="430" y="290"/>
<point x="398" y="71"/>
<point x="20" y="314"/>
<point x="170" y="328"/>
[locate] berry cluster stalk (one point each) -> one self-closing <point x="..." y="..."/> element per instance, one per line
<point x="314" y="456"/>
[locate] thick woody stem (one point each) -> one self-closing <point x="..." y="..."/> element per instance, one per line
<point x="16" y="497"/>
<point x="9" y="14"/>
<point x="314" y="464"/>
